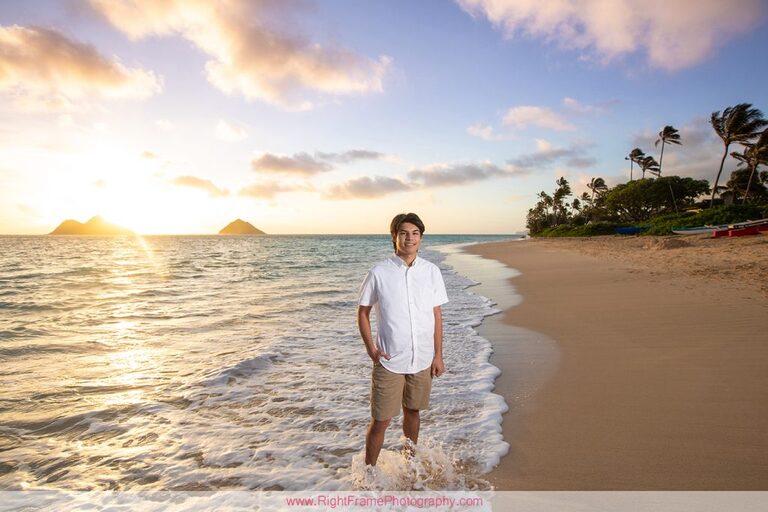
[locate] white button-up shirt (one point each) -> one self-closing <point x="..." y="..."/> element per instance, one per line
<point x="404" y="299"/>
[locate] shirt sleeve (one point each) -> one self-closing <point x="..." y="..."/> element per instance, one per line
<point x="368" y="296"/>
<point x="441" y="296"/>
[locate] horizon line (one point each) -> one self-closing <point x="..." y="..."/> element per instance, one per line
<point x="265" y="234"/>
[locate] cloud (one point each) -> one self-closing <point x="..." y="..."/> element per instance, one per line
<point x="547" y="155"/>
<point x="194" y="182"/>
<point x="485" y="131"/>
<point x="149" y="155"/>
<point x="165" y="125"/>
<point x="302" y="164"/>
<point x="368" y="188"/>
<point x="308" y="165"/>
<point x="442" y="175"/>
<point x="426" y="178"/>
<point x="270" y="189"/>
<point x="253" y="48"/>
<point x="673" y="35"/>
<point x="43" y="70"/>
<point x="543" y="117"/>
<point x="583" y="108"/>
<point x="350" y="156"/>
<point x="231" y="131"/>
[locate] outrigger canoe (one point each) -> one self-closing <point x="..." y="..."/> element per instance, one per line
<point x="720" y="228"/>
<point x="700" y="230"/>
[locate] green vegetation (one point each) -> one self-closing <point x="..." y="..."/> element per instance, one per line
<point x="659" y="203"/>
<point x="596" y="229"/>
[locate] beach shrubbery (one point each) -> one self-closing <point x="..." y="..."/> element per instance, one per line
<point x="594" y="229"/>
<point x="663" y="224"/>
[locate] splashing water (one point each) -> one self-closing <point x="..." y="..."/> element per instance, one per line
<point x="427" y="466"/>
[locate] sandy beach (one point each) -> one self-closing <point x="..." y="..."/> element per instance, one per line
<point x="662" y="376"/>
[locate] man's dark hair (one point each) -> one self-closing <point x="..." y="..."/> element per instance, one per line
<point x="399" y="219"/>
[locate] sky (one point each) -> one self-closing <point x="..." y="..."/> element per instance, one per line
<point x="332" y="116"/>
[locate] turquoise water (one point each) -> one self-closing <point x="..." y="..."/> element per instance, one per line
<point x="213" y="362"/>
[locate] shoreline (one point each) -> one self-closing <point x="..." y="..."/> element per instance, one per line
<point x="533" y="355"/>
<point x="661" y="383"/>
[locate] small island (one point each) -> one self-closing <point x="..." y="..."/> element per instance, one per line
<point x="240" y="227"/>
<point x="95" y="226"/>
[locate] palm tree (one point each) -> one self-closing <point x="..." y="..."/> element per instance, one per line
<point x="668" y="135"/>
<point x="563" y="190"/>
<point x="736" y="124"/>
<point x="648" y="164"/>
<point x="752" y="156"/>
<point x="597" y="185"/>
<point x="546" y="202"/>
<point x="633" y="157"/>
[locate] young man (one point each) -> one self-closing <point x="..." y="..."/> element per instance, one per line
<point x="407" y="292"/>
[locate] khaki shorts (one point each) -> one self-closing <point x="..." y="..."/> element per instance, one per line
<point x="390" y="390"/>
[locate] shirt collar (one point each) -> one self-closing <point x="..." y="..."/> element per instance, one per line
<point x="398" y="261"/>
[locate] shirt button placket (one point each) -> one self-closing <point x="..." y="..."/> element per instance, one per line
<point x="411" y="305"/>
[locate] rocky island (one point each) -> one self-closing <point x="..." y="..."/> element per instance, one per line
<point x="240" y="227"/>
<point x="95" y="226"/>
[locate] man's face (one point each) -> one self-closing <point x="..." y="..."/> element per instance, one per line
<point x="408" y="239"/>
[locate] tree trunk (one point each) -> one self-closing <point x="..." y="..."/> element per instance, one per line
<point x="717" y="178"/>
<point x="749" y="182"/>
<point x="674" y="201"/>
<point x="661" y="156"/>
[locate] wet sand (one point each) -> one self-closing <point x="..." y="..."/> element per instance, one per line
<point x="661" y="381"/>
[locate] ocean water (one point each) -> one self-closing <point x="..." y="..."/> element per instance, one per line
<point x="208" y="363"/>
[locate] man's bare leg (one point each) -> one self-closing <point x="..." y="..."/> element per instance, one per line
<point x="374" y="440"/>
<point x="411" y="424"/>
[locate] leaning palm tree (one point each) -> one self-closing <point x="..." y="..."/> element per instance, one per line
<point x="633" y="157"/>
<point x="753" y="155"/>
<point x="648" y="164"/>
<point x="597" y="186"/>
<point x="736" y="124"/>
<point x="668" y="135"/>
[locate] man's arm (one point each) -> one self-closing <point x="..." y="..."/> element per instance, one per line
<point x="364" y="324"/>
<point x="438" y="368"/>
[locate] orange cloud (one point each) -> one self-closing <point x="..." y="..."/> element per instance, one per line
<point x="300" y="163"/>
<point x="251" y="50"/>
<point x="674" y="35"/>
<point x="270" y="190"/>
<point x="42" y="69"/>
<point x="207" y="185"/>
